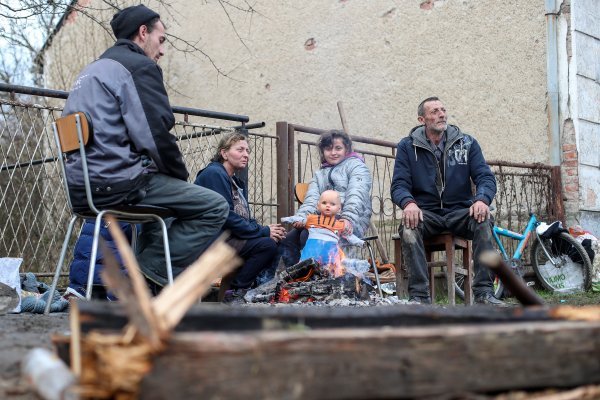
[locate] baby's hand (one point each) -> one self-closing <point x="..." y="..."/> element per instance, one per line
<point x="347" y="227"/>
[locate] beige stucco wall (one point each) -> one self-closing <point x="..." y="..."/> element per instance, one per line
<point x="485" y="58"/>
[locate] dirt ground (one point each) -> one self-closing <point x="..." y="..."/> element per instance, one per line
<point x="19" y="333"/>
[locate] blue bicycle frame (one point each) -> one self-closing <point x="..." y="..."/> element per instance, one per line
<point x="522" y="238"/>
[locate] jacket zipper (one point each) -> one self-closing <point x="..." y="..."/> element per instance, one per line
<point x="438" y="164"/>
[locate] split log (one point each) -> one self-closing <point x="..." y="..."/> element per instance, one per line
<point x="111" y="364"/>
<point x="376" y="363"/>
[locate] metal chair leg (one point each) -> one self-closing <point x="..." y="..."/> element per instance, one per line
<point x="92" y="268"/>
<point x="374" y="268"/>
<point x="167" y="250"/>
<point x="61" y="260"/>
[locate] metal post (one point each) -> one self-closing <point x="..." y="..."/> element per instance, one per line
<point x="556" y="201"/>
<point x="552" y="13"/>
<point x="291" y="161"/>
<point x="243" y="174"/>
<point x="282" y="170"/>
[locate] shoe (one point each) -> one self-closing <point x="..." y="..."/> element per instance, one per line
<point x="419" y="300"/>
<point x="488" y="298"/>
<point x="234" y="296"/>
<point x="74" y="293"/>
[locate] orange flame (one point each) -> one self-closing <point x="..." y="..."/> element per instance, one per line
<point x="334" y="263"/>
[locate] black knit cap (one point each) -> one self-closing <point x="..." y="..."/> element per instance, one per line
<point x="127" y="21"/>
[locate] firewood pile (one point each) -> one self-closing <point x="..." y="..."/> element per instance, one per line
<point x="308" y="282"/>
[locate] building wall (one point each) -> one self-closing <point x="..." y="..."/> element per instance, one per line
<point x="584" y="95"/>
<point x="294" y="60"/>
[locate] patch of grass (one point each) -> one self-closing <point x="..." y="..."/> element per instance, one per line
<point x="572" y="299"/>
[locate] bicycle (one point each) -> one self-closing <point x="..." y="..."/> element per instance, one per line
<point x="560" y="262"/>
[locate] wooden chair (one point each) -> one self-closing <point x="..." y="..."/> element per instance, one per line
<point x="72" y="134"/>
<point x="300" y="190"/>
<point x="448" y="243"/>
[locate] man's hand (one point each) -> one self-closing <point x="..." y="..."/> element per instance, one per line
<point x="480" y="211"/>
<point x="412" y="215"/>
<point x="277" y="232"/>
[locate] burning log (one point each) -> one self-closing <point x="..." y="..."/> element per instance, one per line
<point x="300" y="270"/>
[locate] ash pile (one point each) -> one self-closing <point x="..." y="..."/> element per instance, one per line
<point x="310" y="283"/>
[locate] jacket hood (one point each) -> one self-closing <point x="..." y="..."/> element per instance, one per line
<point x="418" y="134"/>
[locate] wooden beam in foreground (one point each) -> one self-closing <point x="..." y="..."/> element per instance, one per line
<point x="376" y="363"/>
<point x="217" y="317"/>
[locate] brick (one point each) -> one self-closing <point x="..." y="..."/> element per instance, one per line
<point x="570" y="155"/>
<point x="572" y="181"/>
<point x="569" y="163"/>
<point x="572" y="187"/>
<point x="571" y="171"/>
<point x="569" y="147"/>
<point x="574" y="197"/>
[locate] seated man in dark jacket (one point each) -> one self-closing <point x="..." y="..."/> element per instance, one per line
<point x="432" y="178"/>
<point x="133" y="158"/>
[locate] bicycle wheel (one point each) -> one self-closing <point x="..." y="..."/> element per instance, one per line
<point x="459" y="284"/>
<point x="567" y="270"/>
<point x="498" y="288"/>
<point x="516" y="266"/>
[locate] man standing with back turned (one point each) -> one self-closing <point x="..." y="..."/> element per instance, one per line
<point x="434" y="167"/>
<point x="132" y="157"/>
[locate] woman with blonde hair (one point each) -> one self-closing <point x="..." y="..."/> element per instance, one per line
<point x="256" y="244"/>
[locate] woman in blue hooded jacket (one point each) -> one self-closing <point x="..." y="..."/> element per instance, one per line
<point x="256" y="244"/>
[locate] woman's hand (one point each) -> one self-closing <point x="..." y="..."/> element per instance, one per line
<point x="298" y="224"/>
<point x="347" y="227"/>
<point x="277" y="232"/>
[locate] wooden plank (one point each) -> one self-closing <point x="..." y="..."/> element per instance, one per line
<point x="376" y="363"/>
<point x="218" y="317"/>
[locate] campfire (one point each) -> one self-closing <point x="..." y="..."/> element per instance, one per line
<point x="309" y="281"/>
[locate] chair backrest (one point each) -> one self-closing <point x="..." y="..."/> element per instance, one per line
<point x="72" y="133"/>
<point x="66" y="128"/>
<point x="300" y="191"/>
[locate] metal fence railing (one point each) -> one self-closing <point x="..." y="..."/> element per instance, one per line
<point x="521" y="188"/>
<point x="33" y="211"/>
<point x="34" y="214"/>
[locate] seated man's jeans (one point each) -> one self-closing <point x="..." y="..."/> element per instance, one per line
<point x="458" y="223"/>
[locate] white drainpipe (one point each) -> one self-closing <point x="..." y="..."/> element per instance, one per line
<point x="552" y="12"/>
